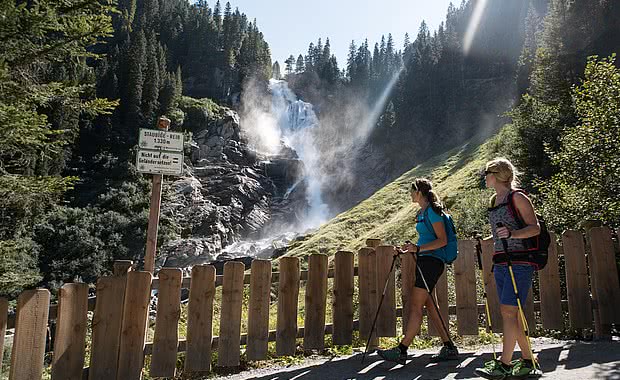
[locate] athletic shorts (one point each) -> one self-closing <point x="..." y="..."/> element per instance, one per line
<point x="505" y="289"/>
<point x="432" y="268"/>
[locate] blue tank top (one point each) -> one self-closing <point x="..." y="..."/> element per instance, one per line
<point x="425" y="233"/>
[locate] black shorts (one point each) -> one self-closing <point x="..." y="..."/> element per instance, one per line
<point x="432" y="268"/>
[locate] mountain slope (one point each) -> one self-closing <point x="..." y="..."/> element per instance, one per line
<point x="388" y="214"/>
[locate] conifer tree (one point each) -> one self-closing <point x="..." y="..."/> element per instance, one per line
<point x="310" y="58"/>
<point x="150" y="92"/>
<point x="275" y="71"/>
<point x="290" y="61"/>
<point x="299" y="66"/>
<point x="217" y="16"/>
<point x="351" y="64"/>
<point x="135" y="82"/>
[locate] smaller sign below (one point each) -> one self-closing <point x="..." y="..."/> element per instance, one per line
<point x="160" y="140"/>
<point x="159" y="162"/>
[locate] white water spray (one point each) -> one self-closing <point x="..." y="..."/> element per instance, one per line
<point x="297" y="124"/>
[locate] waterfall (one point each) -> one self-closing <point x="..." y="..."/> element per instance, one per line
<point x="297" y="125"/>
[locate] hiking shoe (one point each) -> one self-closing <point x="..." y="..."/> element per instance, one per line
<point x="521" y="369"/>
<point x="493" y="370"/>
<point x="446" y="353"/>
<point x="393" y="355"/>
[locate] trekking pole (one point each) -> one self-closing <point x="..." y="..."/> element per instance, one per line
<point x="478" y="237"/>
<point x="514" y="285"/>
<point x="372" y="328"/>
<point x="443" y="324"/>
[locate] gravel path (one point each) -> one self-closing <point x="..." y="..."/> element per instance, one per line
<point x="560" y="360"/>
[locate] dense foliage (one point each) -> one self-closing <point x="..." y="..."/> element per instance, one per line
<point x="46" y="96"/>
<point x="77" y="80"/>
<point x="562" y="134"/>
<point x="587" y="184"/>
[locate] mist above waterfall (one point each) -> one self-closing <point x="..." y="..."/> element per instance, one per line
<point x="276" y="119"/>
<point x="257" y="121"/>
<point x="299" y="127"/>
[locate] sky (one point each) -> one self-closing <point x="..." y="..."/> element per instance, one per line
<point x="290" y="26"/>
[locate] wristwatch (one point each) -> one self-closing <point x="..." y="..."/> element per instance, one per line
<point x="417" y="249"/>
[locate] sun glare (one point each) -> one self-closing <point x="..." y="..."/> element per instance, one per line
<point x="474" y="22"/>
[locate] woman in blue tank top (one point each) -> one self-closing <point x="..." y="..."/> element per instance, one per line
<point x="432" y="239"/>
<point x="501" y="175"/>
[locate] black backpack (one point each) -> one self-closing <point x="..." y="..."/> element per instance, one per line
<point x="536" y="247"/>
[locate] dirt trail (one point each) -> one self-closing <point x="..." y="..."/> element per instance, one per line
<point x="559" y="360"/>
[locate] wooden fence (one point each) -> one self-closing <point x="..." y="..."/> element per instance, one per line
<point x="118" y="344"/>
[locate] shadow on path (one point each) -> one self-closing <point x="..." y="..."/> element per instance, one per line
<point x="600" y="361"/>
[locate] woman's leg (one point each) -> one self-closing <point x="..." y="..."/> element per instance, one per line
<point x="522" y="340"/>
<point x="511" y="332"/>
<point x="418" y="299"/>
<point x="434" y="317"/>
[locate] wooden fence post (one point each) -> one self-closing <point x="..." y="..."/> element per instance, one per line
<point x="407" y="278"/>
<point x="373" y="243"/>
<point x="577" y="289"/>
<point x="122" y="267"/>
<point x="441" y="298"/>
<point x="465" y="286"/>
<point x="316" y="302"/>
<point x="106" y="328"/>
<point x="528" y="308"/>
<point x="200" y="319"/>
<point x="228" y="350"/>
<point x="604" y="280"/>
<point x="550" y="294"/>
<point x="258" y="310"/>
<point x="30" y="331"/>
<point x="134" y="326"/>
<point x="166" y="339"/>
<point x="386" y="322"/>
<point x="288" y="294"/>
<point x="489" y="284"/>
<point x="342" y="312"/>
<point x="4" y="311"/>
<point x="367" y="293"/>
<point x="69" y="345"/>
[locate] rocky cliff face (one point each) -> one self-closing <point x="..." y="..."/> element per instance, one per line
<point x="228" y="192"/>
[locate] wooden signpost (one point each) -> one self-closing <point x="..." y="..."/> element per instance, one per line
<point x="160" y="152"/>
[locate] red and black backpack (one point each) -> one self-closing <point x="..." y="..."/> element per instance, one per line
<point x="536" y="247"/>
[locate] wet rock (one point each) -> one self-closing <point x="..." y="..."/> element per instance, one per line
<point x="230" y="193"/>
<point x="219" y="263"/>
<point x="188" y="252"/>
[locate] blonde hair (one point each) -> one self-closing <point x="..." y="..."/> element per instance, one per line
<point x="504" y="171"/>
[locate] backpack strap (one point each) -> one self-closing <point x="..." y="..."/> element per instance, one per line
<point x="492" y="200"/>
<point x="513" y="208"/>
<point x="427" y="222"/>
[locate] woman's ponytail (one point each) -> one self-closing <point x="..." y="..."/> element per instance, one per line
<point x="434" y="202"/>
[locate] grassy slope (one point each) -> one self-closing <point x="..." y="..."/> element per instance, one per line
<point x="388" y="213"/>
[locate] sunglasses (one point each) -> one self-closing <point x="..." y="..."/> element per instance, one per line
<point x="483" y="173"/>
<point x="487" y="172"/>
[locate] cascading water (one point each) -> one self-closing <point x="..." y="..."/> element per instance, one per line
<point x="297" y="125"/>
